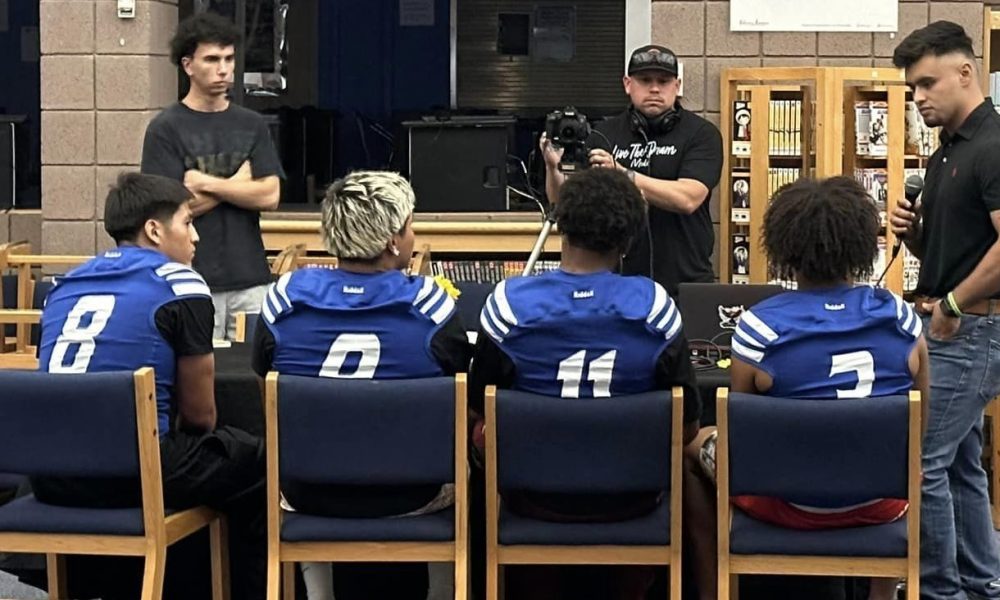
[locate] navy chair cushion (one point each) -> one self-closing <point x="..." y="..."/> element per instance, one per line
<point x="66" y="425"/>
<point x="10" y="481"/>
<point x="822" y="453"/>
<point x="9" y="283"/>
<point x="649" y="530"/>
<point x="750" y="536"/>
<point x="435" y="527"/>
<point x="353" y="432"/>
<point x="602" y="445"/>
<point x="31" y="516"/>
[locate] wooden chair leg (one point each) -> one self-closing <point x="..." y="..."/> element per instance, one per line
<point x="288" y="581"/>
<point x="152" y="576"/>
<point x="219" y="540"/>
<point x="492" y="577"/>
<point x="675" y="582"/>
<point x="461" y="579"/>
<point x="273" y="576"/>
<point x="55" y="570"/>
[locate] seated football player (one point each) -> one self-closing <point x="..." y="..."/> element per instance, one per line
<point x="367" y="319"/>
<point x="829" y="339"/>
<point x="142" y="304"/>
<point x="584" y="331"/>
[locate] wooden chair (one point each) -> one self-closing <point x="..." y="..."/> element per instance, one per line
<point x="24" y="263"/>
<point x="94" y="425"/>
<point x="13" y="357"/>
<point x="782" y="448"/>
<point x="246" y="325"/>
<point x="993" y="414"/>
<point x="555" y="445"/>
<point x="420" y="263"/>
<point x="286" y="260"/>
<point x="340" y="431"/>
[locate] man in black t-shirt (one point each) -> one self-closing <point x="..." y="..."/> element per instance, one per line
<point x="673" y="156"/>
<point x="223" y="153"/>
<point x="954" y="231"/>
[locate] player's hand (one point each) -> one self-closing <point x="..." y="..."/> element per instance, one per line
<point x="243" y="173"/>
<point x="942" y="327"/>
<point x="602" y="159"/>
<point x="551" y="153"/>
<point x="903" y="219"/>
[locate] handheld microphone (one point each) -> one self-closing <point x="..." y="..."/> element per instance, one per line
<point x="911" y="190"/>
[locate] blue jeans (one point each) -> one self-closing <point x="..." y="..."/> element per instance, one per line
<point x="959" y="556"/>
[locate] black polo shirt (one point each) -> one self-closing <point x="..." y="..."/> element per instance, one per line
<point x="962" y="187"/>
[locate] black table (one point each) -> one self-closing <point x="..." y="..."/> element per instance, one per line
<point x="237" y="390"/>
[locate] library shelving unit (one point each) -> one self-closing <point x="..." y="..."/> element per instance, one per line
<point x="991" y="53"/>
<point x="821" y="142"/>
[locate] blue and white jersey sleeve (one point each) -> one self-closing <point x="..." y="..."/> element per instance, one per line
<point x="752" y="338"/>
<point x="664" y="318"/>
<point x="906" y="318"/>
<point x="497" y="317"/>
<point x="434" y="302"/>
<point x="277" y="303"/>
<point x="183" y="280"/>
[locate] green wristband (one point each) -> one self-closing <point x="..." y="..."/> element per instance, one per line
<point x="952" y="304"/>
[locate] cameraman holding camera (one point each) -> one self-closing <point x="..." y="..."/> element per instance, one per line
<point x="673" y="156"/>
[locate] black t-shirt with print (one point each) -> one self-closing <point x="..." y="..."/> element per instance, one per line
<point x="682" y="245"/>
<point x="230" y="254"/>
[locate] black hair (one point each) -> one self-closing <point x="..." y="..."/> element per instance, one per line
<point x="202" y="28"/>
<point x="135" y="198"/>
<point x="938" y="38"/>
<point x="821" y="230"/>
<point x="600" y="210"/>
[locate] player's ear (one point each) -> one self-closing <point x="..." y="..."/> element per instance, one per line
<point x="154" y="231"/>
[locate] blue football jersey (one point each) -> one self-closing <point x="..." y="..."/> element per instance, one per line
<point x="582" y="336"/>
<point x="845" y="342"/>
<point x="334" y="323"/>
<point x="101" y="316"/>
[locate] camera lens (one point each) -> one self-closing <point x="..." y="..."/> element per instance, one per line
<point x="568" y="132"/>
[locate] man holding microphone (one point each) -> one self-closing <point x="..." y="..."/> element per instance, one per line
<point x="954" y="231"/>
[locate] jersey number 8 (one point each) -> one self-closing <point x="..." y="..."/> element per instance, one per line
<point x="75" y="333"/>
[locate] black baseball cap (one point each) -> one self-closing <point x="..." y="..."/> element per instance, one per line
<point x="652" y="58"/>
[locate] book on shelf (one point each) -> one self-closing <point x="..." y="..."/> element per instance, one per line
<point x="871" y="128"/>
<point x="911" y="270"/>
<point x="785" y="127"/>
<point x="920" y="140"/>
<point x="741" y="198"/>
<point x="875" y="182"/>
<point x="741" y="258"/>
<point x="741" y="128"/>
<point x="486" y="271"/>
<point x="780" y="176"/>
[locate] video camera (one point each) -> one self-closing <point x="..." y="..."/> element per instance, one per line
<point x="569" y="130"/>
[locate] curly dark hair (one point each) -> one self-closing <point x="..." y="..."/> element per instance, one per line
<point x="938" y="38"/>
<point x="600" y="210"/>
<point x="202" y="28"/>
<point x="821" y="230"/>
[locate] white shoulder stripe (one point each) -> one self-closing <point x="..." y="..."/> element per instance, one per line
<point x="748" y="353"/>
<point x="492" y="316"/>
<point x="918" y="328"/>
<point x="447" y="307"/>
<point x="746" y="339"/>
<point x="433" y="300"/>
<point x="758" y="326"/>
<point x="424" y="290"/>
<point x="671" y="311"/>
<point x="659" y="300"/>
<point x="191" y="288"/>
<point x="187" y="275"/>
<point x="171" y="267"/>
<point x="266" y="311"/>
<point x="899" y="306"/>
<point x="282" y="285"/>
<point x="910" y="317"/>
<point x="272" y="297"/>
<point x="500" y="295"/>
<point x="672" y="332"/>
<point x="484" y="322"/>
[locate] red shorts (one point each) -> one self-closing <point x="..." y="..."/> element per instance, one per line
<point x="781" y="513"/>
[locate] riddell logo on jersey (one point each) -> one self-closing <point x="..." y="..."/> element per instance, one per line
<point x="834" y="306"/>
<point x="581" y="294"/>
<point x="351" y="289"/>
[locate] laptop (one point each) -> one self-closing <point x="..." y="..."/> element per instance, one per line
<point x="711" y="311"/>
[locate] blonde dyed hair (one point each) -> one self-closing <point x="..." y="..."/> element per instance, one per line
<point x="362" y="211"/>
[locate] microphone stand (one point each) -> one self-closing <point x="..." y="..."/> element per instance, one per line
<point x="543" y="235"/>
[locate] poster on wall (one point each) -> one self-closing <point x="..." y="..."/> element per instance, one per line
<point x="813" y="15"/>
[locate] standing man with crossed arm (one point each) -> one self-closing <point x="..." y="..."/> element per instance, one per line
<point x="223" y="154"/>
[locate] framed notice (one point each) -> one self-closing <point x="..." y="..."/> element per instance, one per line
<point x="814" y="15"/>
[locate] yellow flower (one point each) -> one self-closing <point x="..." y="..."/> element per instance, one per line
<point x="448" y="286"/>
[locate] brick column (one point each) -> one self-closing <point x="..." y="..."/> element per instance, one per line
<point x="102" y="80"/>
